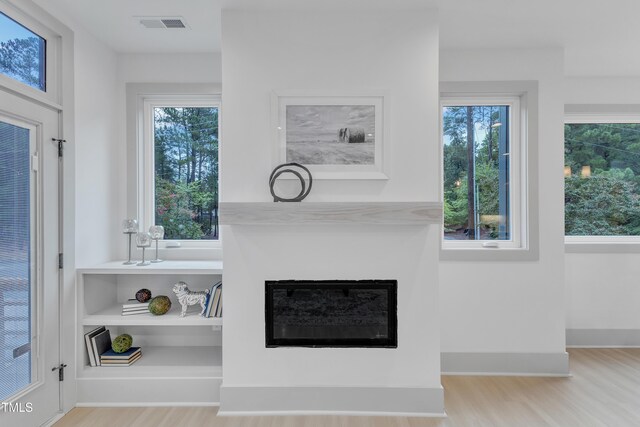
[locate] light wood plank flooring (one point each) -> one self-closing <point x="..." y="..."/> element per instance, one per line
<point x="604" y="391"/>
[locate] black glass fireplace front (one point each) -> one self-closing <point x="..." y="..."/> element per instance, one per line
<point x="331" y="313"/>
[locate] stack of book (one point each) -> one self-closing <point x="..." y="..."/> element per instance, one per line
<point x="213" y="303"/>
<point x="135" y="308"/>
<point x="97" y="342"/>
<point x="111" y="358"/>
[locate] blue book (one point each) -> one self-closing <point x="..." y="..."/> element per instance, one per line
<point x="112" y="355"/>
<point x="206" y="301"/>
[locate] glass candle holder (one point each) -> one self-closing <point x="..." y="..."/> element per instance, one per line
<point x="130" y="227"/>
<point x="143" y="241"/>
<point x="157" y="233"/>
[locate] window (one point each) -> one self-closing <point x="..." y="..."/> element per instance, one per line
<point x="16" y="271"/>
<point x="22" y="54"/>
<point x="483" y="172"/>
<point x="180" y="166"/>
<point x="602" y="177"/>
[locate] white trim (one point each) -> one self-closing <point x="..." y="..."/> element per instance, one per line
<point x="603" y="239"/>
<point x="603" y="338"/>
<point x="604" y="117"/>
<point x="601" y="346"/>
<point x="606" y="114"/>
<point x="24" y="392"/>
<point x="337" y="413"/>
<point x="383" y="400"/>
<point x="54" y="420"/>
<point x="504" y="374"/>
<point x="143" y="404"/>
<point x="517" y="169"/>
<point x="505" y="364"/>
<point x="527" y="90"/>
<point x="51" y="95"/>
<point x="36" y="225"/>
<point x="37" y="251"/>
<point x="145" y="155"/>
<point x="602" y="244"/>
<point x="64" y="103"/>
<point x="148" y="391"/>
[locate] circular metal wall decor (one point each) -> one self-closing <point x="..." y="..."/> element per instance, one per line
<point x="291" y="168"/>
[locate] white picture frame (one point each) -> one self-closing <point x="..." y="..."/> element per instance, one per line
<point x="336" y="136"/>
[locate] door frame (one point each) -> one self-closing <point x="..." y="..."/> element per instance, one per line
<point x="42" y="123"/>
<point x="63" y="101"/>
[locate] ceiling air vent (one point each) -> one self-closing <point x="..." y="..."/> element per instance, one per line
<point x="161" y="22"/>
<point x="173" y="23"/>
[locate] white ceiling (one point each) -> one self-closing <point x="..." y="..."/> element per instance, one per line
<point x="113" y="22"/>
<point x="599" y="37"/>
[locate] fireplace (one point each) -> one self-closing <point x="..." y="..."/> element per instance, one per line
<point x="331" y="313"/>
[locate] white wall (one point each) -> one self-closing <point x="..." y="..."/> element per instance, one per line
<point x="165" y="73"/>
<point x="98" y="150"/>
<point x="603" y="292"/>
<point x="317" y="59"/>
<point x="100" y="78"/>
<point x="97" y="127"/>
<point x="602" y="90"/>
<point x="323" y="51"/>
<point x="513" y="307"/>
<point x="202" y="67"/>
<point x="90" y="126"/>
<point x="603" y="295"/>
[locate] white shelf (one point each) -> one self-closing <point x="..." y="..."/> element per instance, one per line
<point x="175" y="367"/>
<point x="165" y="267"/>
<point x="330" y="213"/>
<point x="112" y="316"/>
<point x="164" y="362"/>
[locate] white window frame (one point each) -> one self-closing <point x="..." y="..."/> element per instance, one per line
<point x="146" y="159"/>
<point x="601" y="243"/>
<point x="51" y="95"/>
<point x="518" y="176"/>
<point x="58" y="96"/>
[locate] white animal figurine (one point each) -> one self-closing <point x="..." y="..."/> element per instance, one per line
<point x="187" y="297"/>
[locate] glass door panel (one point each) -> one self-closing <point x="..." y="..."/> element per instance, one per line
<point x="16" y="278"/>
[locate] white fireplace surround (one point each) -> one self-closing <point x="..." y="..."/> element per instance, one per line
<point x="345" y="229"/>
<point x="270" y="241"/>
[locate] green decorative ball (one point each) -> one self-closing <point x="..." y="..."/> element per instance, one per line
<point x="159" y="305"/>
<point x="143" y="295"/>
<point x="122" y="343"/>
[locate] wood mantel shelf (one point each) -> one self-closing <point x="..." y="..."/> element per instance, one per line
<point x="269" y="213"/>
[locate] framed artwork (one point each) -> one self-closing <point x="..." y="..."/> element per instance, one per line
<point x="336" y="137"/>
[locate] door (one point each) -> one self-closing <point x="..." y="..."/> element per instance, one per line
<point x="29" y="274"/>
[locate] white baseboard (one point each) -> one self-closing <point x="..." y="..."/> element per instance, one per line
<point x="516" y="364"/>
<point x="388" y="401"/>
<point x="123" y="392"/>
<point x="335" y="413"/>
<point x="603" y="338"/>
<point x="145" y="404"/>
<point x="53" y="420"/>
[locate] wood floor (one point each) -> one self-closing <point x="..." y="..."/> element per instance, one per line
<point x="604" y="391"/>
